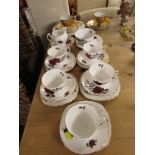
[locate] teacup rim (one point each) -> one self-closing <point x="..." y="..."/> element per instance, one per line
<point x="100" y="12"/>
<point x="59" y="54"/>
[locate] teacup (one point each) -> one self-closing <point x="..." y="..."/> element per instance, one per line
<point x="102" y="73"/>
<point x="53" y="81"/>
<point x="58" y="51"/>
<point x="94" y="50"/>
<point x="100" y="17"/>
<point x="66" y="20"/>
<point x="84" y="35"/>
<point x="82" y="120"/>
<point x="57" y="54"/>
<point x="58" y="36"/>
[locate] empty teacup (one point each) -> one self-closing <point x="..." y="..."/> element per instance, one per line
<point x="92" y="46"/>
<point x="58" y="36"/>
<point x="54" y="80"/>
<point x="102" y="72"/>
<point x="82" y="120"/>
<point x="58" y="51"/>
<point x="84" y="35"/>
<point x="66" y="20"/>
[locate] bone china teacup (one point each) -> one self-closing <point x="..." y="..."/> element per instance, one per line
<point x="58" y="51"/>
<point x="84" y="35"/>
<point x="101" y="72"/>
<point x="58" y="36"/>
<point x="54" y="80"/>
<point x="82" y="120"/>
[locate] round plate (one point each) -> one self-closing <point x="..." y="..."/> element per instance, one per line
<point x="91" y="23"/>
<point x="68" y="96"/>
<point x="96" y="37"/>
<point x="96" y="142"/>
<point x="85" y="62"/>
<point x="70" y="30"/>
<point x="66" y="65"/>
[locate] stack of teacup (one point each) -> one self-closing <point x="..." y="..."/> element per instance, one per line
<point x="58" y="88"/>
<point x="85" y="35"/>
<point x="92" y="51"/>
<point x="59" y="55"/>
<point x="100" y="82"/>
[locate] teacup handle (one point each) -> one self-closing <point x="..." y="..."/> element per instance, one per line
<point x="49" y="37"/>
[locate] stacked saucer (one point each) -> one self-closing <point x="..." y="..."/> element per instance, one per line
<point x="58" y="88"/>
<point x="92" y="51"/>
<point x="100" y="82"/>
<point x="85" y="127"/>
<point x="59" y="56"/>
<point x="86" y="35"/>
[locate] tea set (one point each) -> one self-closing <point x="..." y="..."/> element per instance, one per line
<point x="85" y="126"/>
<point x="72" y="25"/>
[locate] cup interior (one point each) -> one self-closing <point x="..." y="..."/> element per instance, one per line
<point x="84" y="33"/>
<point x="57" y="51"/>
<point x="53" y="78"/>
<point x="58" y="33"/>
<point x="101" y="72"/>
<point x="82" y="120"/>
<point x="92" y="47"/>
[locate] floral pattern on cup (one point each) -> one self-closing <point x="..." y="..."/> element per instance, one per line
<point x="95" y="89"/>
<point x="51" y="93"/>
<point x="91" y="143"/>
<point x="95" y="56"/>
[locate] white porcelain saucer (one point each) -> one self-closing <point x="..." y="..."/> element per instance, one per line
<point x="66" y="65"/>
<point x="97" y="141"/>
<point x="85" y="62"/>
<point x="96" y="37"/>
<point x="67" y="95"/>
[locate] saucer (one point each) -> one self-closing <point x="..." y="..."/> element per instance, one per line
<point x="107" y="89"/>
<point x="98" y="98"/>
<point x="72" y="29"/>
<point x="99" y="140"/>
<point x="93" y="24"/>
<point x="84" y="62"/>
<point x="96" y="37"/>
<point x="67" y="97"/>
<point x="67" y="64"/>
